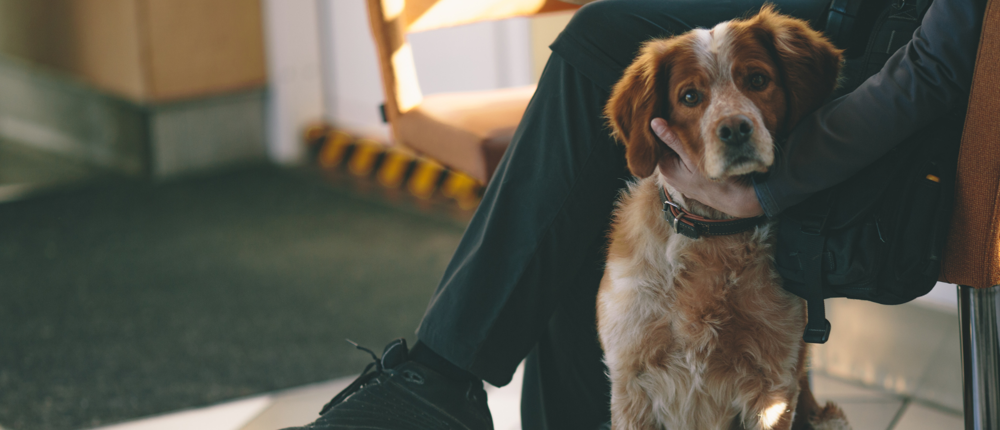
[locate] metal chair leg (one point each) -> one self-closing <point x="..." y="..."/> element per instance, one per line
<point x="980" y="325"/>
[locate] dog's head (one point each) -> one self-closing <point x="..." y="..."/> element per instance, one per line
<point x="727" y="93"/>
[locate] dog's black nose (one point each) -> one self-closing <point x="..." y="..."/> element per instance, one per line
<point x="735" y="130"/>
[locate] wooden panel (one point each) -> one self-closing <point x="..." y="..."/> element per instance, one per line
<point x="201" y="47"/>
<point x="105" y="46"/>
<point x="423" y="15"/>
<point x="96" y="40"/>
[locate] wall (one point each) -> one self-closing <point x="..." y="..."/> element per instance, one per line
<point x="323" y="65"/>
<point x="353" y="89"/>
<point x="195" y="48"/>
<point x="320" y="57"/>
<point x="46" y="111"/>
<point x="55" y="33"/>
<point x="479" y="56"/>
<point x="295" y="89"/>
<point x="148" y="51"/>
<point x="141" y="87"/>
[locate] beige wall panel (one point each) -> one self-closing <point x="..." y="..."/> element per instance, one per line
<point x="145" y="50"/>
<point x="200" y="47"/>
<point x="96" y="40"/>
<point x="106" y="45"/>
<point x="33" y="31"/>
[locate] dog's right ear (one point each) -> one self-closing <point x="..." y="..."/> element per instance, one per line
<point x="809" y="62"/>
<point x="635" y="100"/>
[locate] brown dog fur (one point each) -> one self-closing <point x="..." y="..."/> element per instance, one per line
<point x="698" y="333"/>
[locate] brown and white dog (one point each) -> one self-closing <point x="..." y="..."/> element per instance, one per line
<point x="698" y="333"/>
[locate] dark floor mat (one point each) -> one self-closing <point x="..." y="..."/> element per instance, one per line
<point x="120" y="301"/>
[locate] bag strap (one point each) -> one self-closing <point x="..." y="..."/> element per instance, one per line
<point x="817" y="326"/>
<point x="840" y="20"/>
<point x="813" y="225"/>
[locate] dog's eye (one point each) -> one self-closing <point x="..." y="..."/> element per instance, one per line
<point x="691" y="98"/>
<point x="759" y="82"/>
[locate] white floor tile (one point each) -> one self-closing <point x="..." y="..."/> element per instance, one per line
<point x="828" y="388"/>
<point x="889" y="347"/>
<point x="297" y="406"/>
<point x="943" y="297"/>
<point x="870" y="414"/>
<point x="505" y="402"/>
<point x="866" y="408"/>
<point x="942" y="384"/>
<point x="919" y="417"/>
<point x="301" y="405"/>
<point x="225" y="416"/>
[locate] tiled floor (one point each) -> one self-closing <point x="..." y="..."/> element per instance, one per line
<point x="866" y="408"/>
<point x="888" y="367"/>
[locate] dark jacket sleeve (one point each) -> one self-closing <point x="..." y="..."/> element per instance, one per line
<point x="926" y="79"/>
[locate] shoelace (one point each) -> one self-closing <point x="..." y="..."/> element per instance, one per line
<point x="361" y="381"/>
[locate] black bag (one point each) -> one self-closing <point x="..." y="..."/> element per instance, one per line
<point x="879" y="235"/>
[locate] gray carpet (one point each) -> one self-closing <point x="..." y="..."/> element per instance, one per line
<point x="124" y="300"/>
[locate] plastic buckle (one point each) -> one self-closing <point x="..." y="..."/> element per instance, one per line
<point x="813" y="335"/>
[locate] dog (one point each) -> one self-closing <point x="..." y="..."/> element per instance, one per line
<point x="698" y="333"/>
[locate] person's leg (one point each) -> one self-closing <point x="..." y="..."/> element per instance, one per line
<point x="565" y="382"/>
<point x="604" y="37"/>
<point x="548" y="205"/>
<point x="527" y="269"/>
<point x="546" y="209"/>
<point x="565" y="386"/>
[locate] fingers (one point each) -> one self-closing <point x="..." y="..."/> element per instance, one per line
<point x="732" y="197"/>
<point x="662" y="130"/>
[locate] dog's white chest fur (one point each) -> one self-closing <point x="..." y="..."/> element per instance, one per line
<point x="698" y="334"/>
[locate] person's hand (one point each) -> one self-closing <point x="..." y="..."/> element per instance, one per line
<point x="729" y="196"/>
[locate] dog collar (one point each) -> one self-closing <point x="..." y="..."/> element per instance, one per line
<point x="695" y="226"/>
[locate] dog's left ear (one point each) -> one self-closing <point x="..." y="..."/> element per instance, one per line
<point x="635" y="100"/>
<point x="809" y="63"/>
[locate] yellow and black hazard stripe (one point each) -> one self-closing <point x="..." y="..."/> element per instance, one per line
<point x="390" y="166"/>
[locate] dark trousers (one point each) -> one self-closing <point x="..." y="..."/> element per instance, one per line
<point x="524" y="279"/>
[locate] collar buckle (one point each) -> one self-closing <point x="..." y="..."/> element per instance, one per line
<point x="694" y="226"/>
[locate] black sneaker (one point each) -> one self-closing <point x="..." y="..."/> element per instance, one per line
<point x="401" y="394"/>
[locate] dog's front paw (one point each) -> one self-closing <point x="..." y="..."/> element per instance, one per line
<point x="831" y="417"/>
